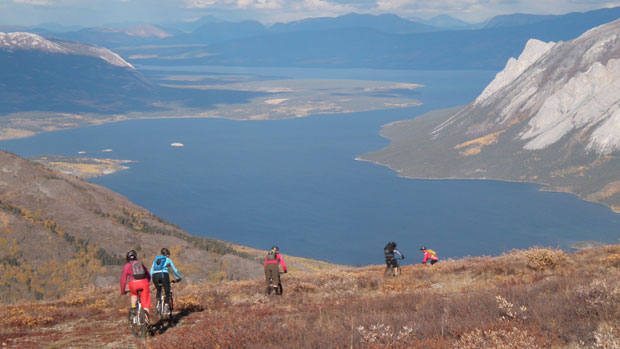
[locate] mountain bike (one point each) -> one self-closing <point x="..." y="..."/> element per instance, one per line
<point x="391" y="271"/>
<point x="138" y="319"/>
<point x="165" y="305"/>
<point x="274" y="289"/>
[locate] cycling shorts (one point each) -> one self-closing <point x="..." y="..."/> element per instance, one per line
<point x="145" y="296"/>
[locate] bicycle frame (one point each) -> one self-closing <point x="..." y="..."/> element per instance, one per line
<point x="138" y="323"/>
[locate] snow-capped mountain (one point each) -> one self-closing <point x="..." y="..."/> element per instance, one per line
<point x="44" y="74"/>
<point x="28" y="41"/>
<point x="551" y="116"/>
<point x="557" y="90"/>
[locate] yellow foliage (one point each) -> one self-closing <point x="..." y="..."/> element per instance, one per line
<point x="474" y="146"/>
<point x="542" y="259"/>
<point x="613" y="259"/>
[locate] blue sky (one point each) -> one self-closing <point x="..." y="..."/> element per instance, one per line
<point x="100" y="12"/>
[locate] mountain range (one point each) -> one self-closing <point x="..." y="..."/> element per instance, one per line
<point x="551" y="116"/>
<point x="352" y="40"/>
<point x="56" y="73"/>
<point x="357" y="40"/>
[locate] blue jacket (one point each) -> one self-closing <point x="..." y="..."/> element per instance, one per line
<point x="167" y="263"/>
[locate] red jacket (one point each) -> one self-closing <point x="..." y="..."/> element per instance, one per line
<point x="427" y="256"/>
<point x="277" y="260"/>
<point x="128" y="275"/>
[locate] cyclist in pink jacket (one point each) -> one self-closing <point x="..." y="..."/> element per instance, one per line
<point x="272" y="269"/>
<point x="137" y="276"/>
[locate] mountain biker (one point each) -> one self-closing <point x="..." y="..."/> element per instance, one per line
<point x="136" y="274"/>
<point x="161" y="274"/>
<point x="390" y="260"/>
<point x="429" y="254"/>
<point x="272" y="271"/>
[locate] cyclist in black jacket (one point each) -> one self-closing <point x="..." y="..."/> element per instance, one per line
<point x="390" y="258"/>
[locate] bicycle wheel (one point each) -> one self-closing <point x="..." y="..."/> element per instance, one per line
<point x="143" y="323"/>
<point x="389" y="271"/>
<point x="170" y="306"/>
<point x="134" y="321"/>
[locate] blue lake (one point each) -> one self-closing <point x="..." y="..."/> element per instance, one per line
<point x="295" y="182"/>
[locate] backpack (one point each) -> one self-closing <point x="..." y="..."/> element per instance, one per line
<point x="389" y="249"/>
<point x="159" y="264"/>
<point x="433" y="253"/>
<point x="137" y="270"/>
<point x="271" y="256"/>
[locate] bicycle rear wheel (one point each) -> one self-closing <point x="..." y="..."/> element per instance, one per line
<point x="170" y="307"/>
<point x="134" y="322"/>
<point x="144" y="323"/>
<point x="389" y="271"/>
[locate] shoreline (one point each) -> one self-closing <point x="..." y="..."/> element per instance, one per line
<point x="10" y="132"/>
<point x="544" y="187"/>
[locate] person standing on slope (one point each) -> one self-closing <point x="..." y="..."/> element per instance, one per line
<point x="390" y="257"/>
<point x="272" y="269"/>
<point x="429" y="254"/>
<point x="161" y="273"/>
<point x="137" y="276"/>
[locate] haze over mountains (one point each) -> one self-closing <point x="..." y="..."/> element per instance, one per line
<point x="551" y="116"/>
<point x="353" y="40"/>
<point x="64" y="74"/>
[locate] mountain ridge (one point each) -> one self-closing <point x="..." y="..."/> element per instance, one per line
<point x="549" y="117"/>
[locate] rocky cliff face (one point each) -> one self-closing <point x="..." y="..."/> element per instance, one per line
<point x="556" y="90"/>
<point x="551" y="116"/>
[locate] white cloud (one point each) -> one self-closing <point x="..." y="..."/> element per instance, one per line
<point x="231" y="4"/>
<point x="35" y="2"/>
<point x="260" y="4"/>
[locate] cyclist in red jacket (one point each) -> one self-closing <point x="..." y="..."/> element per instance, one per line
<point x="272" y="270"/>
<point x="429" y="254"/>
<point x="139" y="279"/>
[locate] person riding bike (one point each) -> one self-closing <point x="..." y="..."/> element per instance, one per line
<point x="137" y="276"/>
<point x="390" y="260"/>
<point x="272" y="270"/>
<point x="161" y="273"/>
<point x="429" y="254"/>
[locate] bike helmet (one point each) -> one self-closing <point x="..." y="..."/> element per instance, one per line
<point x="393" y="244"/>
<point x="422" y="248"/>
<point x="132" y="255"/>
<point x="165" y="251"/>
<point x="275" y="248"/>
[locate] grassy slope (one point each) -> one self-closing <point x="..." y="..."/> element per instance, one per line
<point x="533" y="298"/>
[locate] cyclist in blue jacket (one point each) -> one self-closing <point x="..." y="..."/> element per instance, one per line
<point x="160" y="274"/>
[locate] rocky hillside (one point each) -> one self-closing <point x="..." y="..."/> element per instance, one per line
<point x="551" y="116"/>
<point x="58" y="233"/>
<point x="536" y="298"/>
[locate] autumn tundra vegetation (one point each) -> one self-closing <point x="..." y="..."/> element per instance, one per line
<point x="535" y="298"/>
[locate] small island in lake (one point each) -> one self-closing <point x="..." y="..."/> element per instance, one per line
<point x="84" y="167"/>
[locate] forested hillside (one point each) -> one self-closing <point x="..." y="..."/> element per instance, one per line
<point x="58" y="233"/>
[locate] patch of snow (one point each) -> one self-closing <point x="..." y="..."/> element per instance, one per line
<point x="28" y="41"/>
<point x="534" y="49"/>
